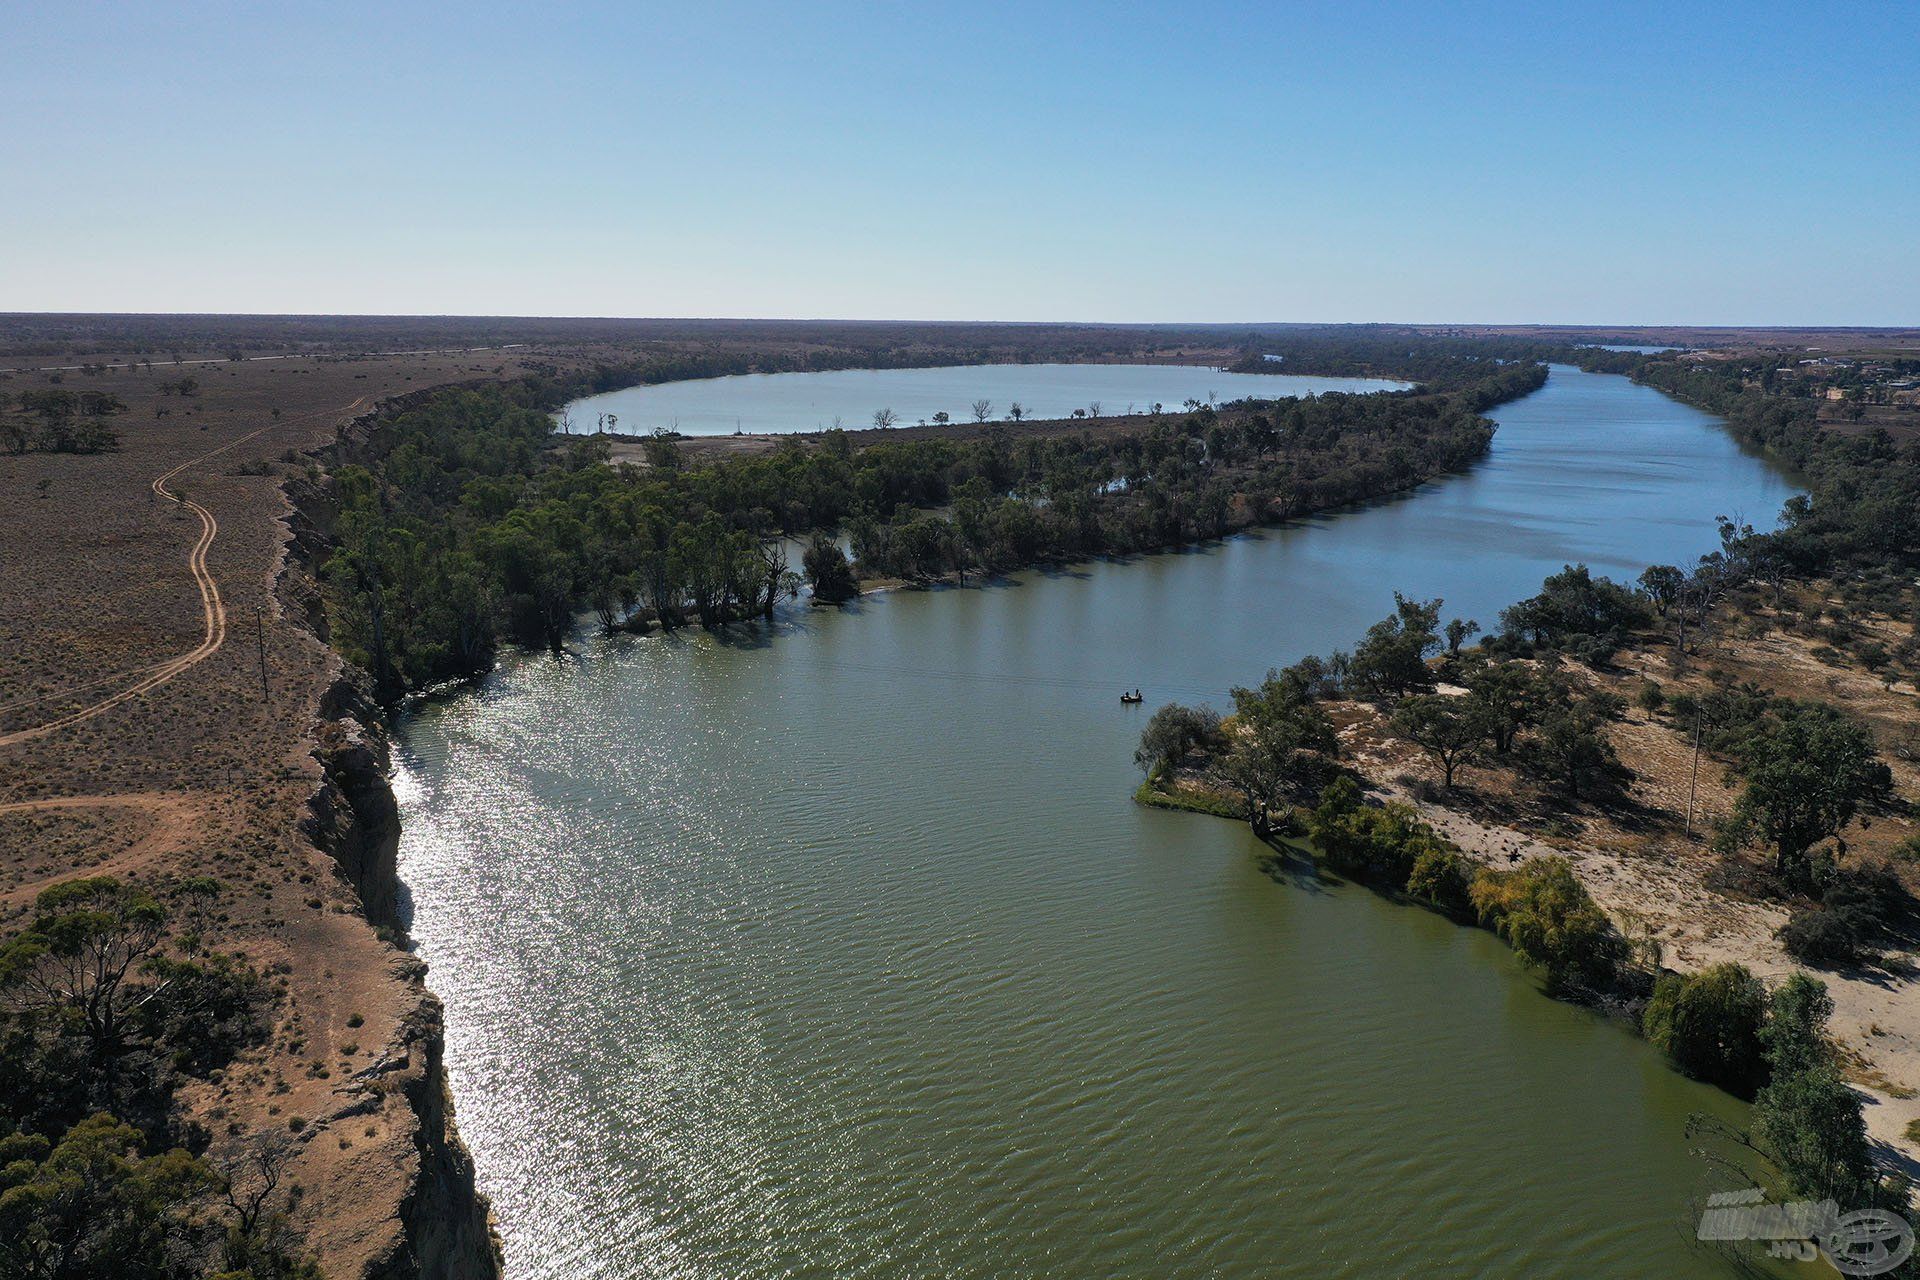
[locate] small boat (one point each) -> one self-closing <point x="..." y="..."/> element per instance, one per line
<point x="1130" y="698"/>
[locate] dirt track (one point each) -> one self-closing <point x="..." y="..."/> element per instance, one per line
<point x="213" y="608"/>
<point x="173" y="817"/>
<point x="138" y="742"/>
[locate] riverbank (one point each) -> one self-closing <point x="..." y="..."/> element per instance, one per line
<point x="835" y="891"/>
<point x="501" y="531"/>
<point x="169" y="715"/>
<point x="1658" y="873"/>
<point x="1645" y="852"/>
<point x="307" y="905"/>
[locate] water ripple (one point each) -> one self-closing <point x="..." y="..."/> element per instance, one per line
<point x="847" y="955"/>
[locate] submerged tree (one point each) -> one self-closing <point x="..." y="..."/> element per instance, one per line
<point x="829" y="571"/>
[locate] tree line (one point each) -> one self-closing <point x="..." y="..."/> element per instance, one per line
<point x="463" y="522"/>
<point x="1862" y="508"/>
<point x="1438" y="361"/>
<point x="59" y="421"/>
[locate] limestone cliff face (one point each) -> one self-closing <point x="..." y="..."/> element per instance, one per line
<point x="448" y="1231"/>
<point x="353" y="815"/>
<point x="440" y="1227"/>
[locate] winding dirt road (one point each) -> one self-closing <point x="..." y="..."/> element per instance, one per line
<point x="213" y="609"/>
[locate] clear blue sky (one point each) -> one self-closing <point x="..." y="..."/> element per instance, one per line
<point x="1610" y="163"/>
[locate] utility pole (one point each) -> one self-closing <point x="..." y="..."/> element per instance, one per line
<point x="1693" y="784"/>
<point x="260" y="639"/>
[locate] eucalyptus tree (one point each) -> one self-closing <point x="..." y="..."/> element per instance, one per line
<point x="1452" y="730"/>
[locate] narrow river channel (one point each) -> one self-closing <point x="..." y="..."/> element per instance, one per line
<point x="837" y="948"/>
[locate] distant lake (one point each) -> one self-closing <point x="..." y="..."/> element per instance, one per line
<point x="780" y="403"/>
<point x="1624" y="346"/>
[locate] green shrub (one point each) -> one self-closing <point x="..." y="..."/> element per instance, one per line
<point x="1825" y="937"/>
<point x="1375" y="843"/>
<point x="1858" y="906"/>
<point x="1546" y="915"/>
<point x="1443" y="879"/>
<point x="1651" y="697"/>
<point x="1709" y="1025"/>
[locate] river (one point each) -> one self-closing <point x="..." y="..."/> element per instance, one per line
<point x="783" y="402"/>
<point x="837" y="948"/>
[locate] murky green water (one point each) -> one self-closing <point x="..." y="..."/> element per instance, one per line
<point x="837" y="949"/>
